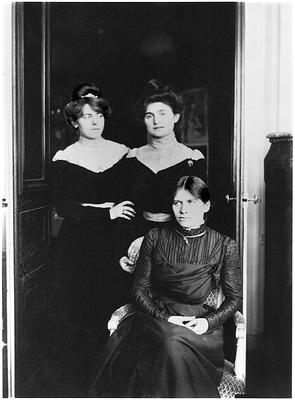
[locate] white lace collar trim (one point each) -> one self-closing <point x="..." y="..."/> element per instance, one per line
<point x="163" y="143"/>
<point x="97" y="156"/>
<point x="160" y="158"/>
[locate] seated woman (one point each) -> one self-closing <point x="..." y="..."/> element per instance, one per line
<point x="172" y="346"/>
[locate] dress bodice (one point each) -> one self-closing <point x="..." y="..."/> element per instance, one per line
<point x="187" y="270"/>
<point x="152" y="191"/>
<point x="83" y="185"/>
<point x="97" y="155"/>
<point x="171" y="270"/>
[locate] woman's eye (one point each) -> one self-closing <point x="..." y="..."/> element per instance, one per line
<point x="176" y="203"/>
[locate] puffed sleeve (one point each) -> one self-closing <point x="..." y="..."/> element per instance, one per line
<point x="230" y="278"/>
<point x="63" y="196"/>
<point x="142" y="285"/>
<point x="200" y="169"/>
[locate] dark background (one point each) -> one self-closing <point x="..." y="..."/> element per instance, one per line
<point x="121" y="46"/>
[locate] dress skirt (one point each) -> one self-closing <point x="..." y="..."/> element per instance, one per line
<point x="149" y="357"/>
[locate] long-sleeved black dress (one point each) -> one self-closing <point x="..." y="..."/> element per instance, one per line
<point x="85" y="276"/>
<point x="151" y="189"/>
<point x="176" y="274"/>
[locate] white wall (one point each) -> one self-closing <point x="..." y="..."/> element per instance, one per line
<point x="6" y="177"/>
<point x="268" y="108"/>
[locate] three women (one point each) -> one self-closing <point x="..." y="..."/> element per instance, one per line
<point x="97" y="182"/>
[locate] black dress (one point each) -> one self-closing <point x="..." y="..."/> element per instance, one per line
<point x="148" y="356"/>
<point x="152" y="192"/>
<point x="85" y="278"/>
<point x="84" y="268"/>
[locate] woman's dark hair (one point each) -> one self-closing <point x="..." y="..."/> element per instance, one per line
<point x="195" y="186"/>
<point x="86" y="93"/>
<point x="155" y="91"/>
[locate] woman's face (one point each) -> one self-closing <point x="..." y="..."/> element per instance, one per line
<point x="160" y="119"/>
<point x="90" y="124"/>
<point x="188" y="210"/>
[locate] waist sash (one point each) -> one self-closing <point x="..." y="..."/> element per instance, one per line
<point x="156" y="217"/>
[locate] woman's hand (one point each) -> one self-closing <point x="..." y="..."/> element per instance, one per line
<point x="127" y="265"/>
<point x="198" y="325"/>
<point x="123" y="210"/>
<point x="179" y="320"/>
<point x="133" y="251"/>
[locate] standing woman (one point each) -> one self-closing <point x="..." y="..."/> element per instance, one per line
<point x="85" y="191"/>
<point x="154" y="169"/>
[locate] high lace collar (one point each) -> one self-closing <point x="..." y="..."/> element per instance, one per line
<point x="194" y="232"/>
<point x="163" y="143"/>
<point x="92" y="143"/>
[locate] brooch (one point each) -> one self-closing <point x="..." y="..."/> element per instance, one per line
<point x="190" y="163"/>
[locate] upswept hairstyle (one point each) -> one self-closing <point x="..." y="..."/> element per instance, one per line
<point x="86" y="93"/>
<point x="195" y="186"/>
<point x="155" y="91"/>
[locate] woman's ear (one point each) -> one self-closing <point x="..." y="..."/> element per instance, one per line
<point x="176" y="118"/>
<point x="207" y="206"/>
<point x="75" y="125"/>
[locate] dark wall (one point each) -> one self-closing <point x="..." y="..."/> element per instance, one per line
<point x="121" y="46"/>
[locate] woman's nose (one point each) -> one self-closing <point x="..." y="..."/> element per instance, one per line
<point x="182" y="209"/>
<point x="156" y="119"/>
<point x="95" y="119"/>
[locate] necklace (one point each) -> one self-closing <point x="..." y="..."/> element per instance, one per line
<point x="191" y="233"/>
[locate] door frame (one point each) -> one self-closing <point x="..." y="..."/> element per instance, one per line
<point x="12" y="175"/>
<point x="239" y="160"/>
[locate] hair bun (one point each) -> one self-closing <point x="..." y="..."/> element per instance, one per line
<point x="86" y="89"/>
<point x="154" y="86"/>
<point x="155" y="91"/>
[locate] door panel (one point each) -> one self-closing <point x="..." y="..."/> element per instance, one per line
<point x="31" y="192"/>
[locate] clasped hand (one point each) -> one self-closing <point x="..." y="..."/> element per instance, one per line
<point x="197" y="325"/>
<point x="128" y="263"/>
<point x="122" y="210"/>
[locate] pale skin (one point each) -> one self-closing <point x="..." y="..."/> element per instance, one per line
<point x="91" y="126"/>
<point x="159" y="120"/>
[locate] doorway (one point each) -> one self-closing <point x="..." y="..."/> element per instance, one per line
<point x="120" y="46"/>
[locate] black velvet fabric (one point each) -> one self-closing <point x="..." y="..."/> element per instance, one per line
<point x="148" y="356"/>
<point x="86" y="283"/>
<point x="85" y="272"/>
<point x="151" y="192"/>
